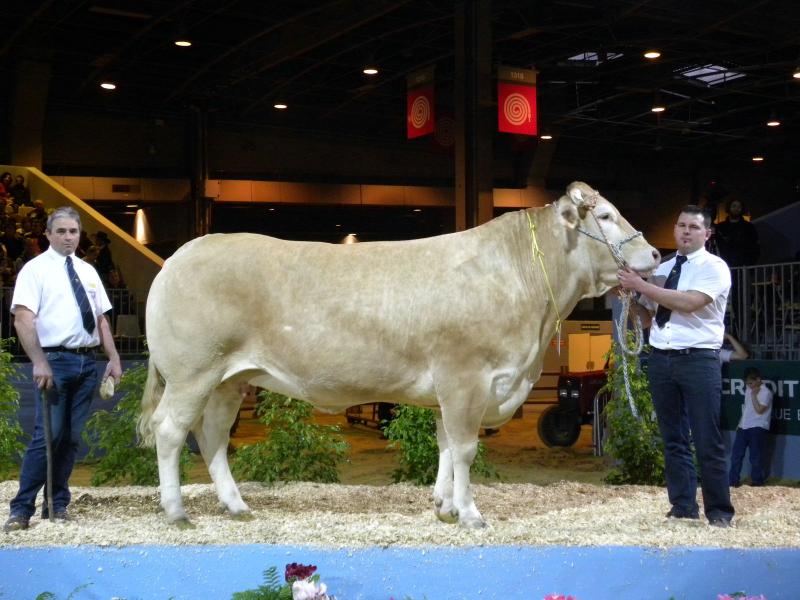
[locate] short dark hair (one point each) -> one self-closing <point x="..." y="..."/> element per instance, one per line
<point x="751" y="372"/>
<point x="693" y="209"/>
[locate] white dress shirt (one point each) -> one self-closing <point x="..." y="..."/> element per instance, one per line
<point x="704" y="328"/>
<point x="43" y="287"/>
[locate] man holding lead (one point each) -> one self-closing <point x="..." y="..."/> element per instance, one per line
<point x="690" y="292"/>
<point x="58" y="306"/>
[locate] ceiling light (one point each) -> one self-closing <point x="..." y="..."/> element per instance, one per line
<point x="773" y="122"/>
<point x="280" y="106"/>
<point x="652" y="54"/>
<point x="658" y="107"/>
<point x="796" y="73"/>
<point x="758" y="158"/>
<point x="370" y="70"/>
<point x="417" y="210"/>
<point x="107" y="85"/>
<point x="545" y="136"/>
<point x="183" y="42"/>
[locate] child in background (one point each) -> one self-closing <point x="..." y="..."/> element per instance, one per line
<point x="752" y="430"/>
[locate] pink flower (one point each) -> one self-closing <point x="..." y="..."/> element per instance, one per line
<point x="297" y="571"/>
<point x="562" y="597"/>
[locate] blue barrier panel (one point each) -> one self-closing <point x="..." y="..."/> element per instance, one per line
<point x="506" y="572"/>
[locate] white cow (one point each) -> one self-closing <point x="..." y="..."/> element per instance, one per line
<point x="458" y="322"/>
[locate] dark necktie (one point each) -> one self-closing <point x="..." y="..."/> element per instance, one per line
<point x="663" y="313"/>
<point x="87" y="316"/>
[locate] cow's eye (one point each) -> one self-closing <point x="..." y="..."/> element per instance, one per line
<point x="605" y="217"/>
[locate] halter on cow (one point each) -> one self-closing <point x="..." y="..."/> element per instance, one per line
<point x="458" y="322"/>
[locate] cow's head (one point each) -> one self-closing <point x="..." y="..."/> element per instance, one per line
<point x="603" y="236"/>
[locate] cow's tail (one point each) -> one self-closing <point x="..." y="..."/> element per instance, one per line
<point x="153" y="390"/>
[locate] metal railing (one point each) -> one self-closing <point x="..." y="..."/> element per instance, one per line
<point x="127" y="322"/>
<point x="764" y="310"/>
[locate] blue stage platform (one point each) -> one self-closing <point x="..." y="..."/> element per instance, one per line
<point x="505" y="572"/>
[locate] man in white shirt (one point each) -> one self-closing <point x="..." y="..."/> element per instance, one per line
<point x="684" y="369"/>
<point x="58" y="307"/>
<point x="752" y="430"/>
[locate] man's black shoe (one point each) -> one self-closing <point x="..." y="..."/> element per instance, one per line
<point x="720" y="522"/>
<point x="16" y="523"/>
<point x="58" y="515"/>
<point x="677" y="514"/>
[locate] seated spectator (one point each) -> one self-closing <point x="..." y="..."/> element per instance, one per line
<point x="6" y="181"/>
<point x="20" y="193"/>
<point x="31" y="251"/>
<point x="37" y="231"/>
<point x="12" y="242"/>
<point x="24" y="228"/>
<point x="39" y="213"/>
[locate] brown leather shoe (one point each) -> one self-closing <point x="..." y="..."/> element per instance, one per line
<point x="16" y="523"/>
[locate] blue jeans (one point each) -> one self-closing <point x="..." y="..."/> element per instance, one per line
<point x="75" y="379"/>
<point x="754" y="438"/>
<point x="686" y="391"/>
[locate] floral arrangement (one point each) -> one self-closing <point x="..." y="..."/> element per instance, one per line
<point x="300" y="583"/>
<point x="740" y="596"/>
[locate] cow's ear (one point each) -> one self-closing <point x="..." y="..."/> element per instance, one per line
<point x="569" y="213"/>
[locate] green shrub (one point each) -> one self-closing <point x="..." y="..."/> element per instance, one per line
<point x="295" y="448"/>
<point x="634" y="442"/>
<point x="111" y="437"/>
<point x="272" y="589"/>
<point x="413" y="431"/>
<point x="11" y="446"/>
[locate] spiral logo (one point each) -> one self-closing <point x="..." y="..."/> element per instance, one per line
<point x="516" y="109"/>
<point x="420" y="112"/>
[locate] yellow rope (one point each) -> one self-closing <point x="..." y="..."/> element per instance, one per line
<point x="538" y="254"/>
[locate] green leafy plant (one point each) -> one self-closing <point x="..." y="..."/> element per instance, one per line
<point x="413" y="432"/>
<point x="308" y="585"/>
<point x="295" y="448"/>
<point x="52" y="596"/>
<point x="111" y="437"/>
<point x="11" y="446"/>
<point x="634" y="442"/>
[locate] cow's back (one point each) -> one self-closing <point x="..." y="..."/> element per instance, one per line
<point x="349" y="318"/>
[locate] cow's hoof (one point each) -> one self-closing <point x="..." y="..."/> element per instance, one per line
<point x="474" y="523"/>
<point x="244" y="515"/>
<point x="183" y="523"/>
<point x="447" y="516"/>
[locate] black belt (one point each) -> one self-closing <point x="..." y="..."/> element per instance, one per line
<point x="81" y="350"/>
<point x="682" y="351"/>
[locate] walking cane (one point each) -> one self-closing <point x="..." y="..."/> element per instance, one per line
<point x="48" y="444"/>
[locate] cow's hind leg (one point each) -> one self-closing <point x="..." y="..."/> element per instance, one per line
<point x="170" y="435"/>
<point x="179" y="409"/>
<point x="213" y="434"/>
<point x="443" y="490"/>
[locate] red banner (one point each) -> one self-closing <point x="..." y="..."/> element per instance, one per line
<point x="419" y="112"/>
<point x="516" y="108"/>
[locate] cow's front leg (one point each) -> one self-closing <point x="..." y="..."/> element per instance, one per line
<point x="443" y="490"/>
<point x="461" y="417"/>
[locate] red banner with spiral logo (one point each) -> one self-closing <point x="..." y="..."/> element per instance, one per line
<point x="516" y="101"/>
<point x="419" y="104"/>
